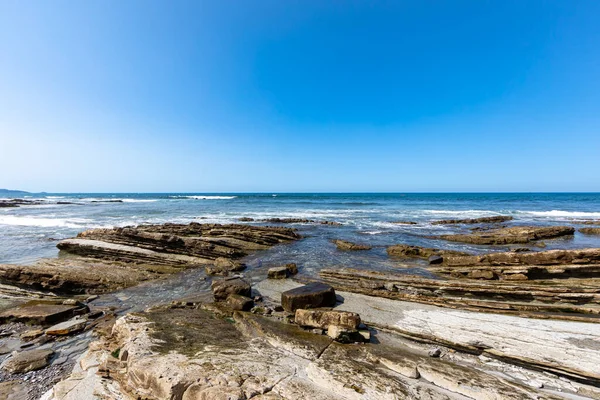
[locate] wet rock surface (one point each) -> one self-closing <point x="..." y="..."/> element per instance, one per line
<point x="484" y="220"/>
<point x="590" y="231"/>
<point x="13" y="203"/>
<point x="511" y="235"/>
<point x="349" y="246"/>
<point x="110" y="259"/>
<point x="408" y="251"/>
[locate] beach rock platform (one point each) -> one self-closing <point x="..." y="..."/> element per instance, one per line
<point x="511" y="235"/>
<point x="152" y="355"/>
<point x="104" y="260"/>
<point x="408" y="251"/>
<point x="560" y="299"/>
<point x="483" y="220"/>
<point x="349" y="246"/>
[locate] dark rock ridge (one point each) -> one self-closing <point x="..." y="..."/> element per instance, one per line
<point x="298" y="221"/>
<point x="111" y="259"/>
<point x="483" y="220"/>
<point x="512" y="235"/>
<point x="408" y="251"/>
<point x="13" y="203"/>
<point x="349" y="246"/>
<point x="313" y="295"/>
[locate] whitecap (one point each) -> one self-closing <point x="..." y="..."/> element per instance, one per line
<point x="561" y="213"/>
<point x="43" y="222"/>
<point x="204" y="197"/>
<point x="137" y="200"/>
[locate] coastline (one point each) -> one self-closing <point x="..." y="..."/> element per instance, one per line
<point x="171" y="267"/>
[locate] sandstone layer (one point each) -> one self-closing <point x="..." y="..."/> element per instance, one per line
<point x="512" y="235"/>
<point x="245" y="356"/>
<point x="104" y="260"/>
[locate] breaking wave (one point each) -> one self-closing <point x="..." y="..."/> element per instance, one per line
<point x="43" y="222"/>
<point x="560" y="213"/>
<point x="204" y="197"/>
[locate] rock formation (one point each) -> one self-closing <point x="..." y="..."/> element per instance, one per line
<point x="110" y="259"/>
<point x="512" y="235"/>
<point x="349" y="246"/>
<point x="484" y="220"/>
<point x="408" y="251"/>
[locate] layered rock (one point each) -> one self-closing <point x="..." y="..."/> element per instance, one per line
<point x="349" y="246"/>
<point x="111" y="259"/>
<point x="564" y="264"/>
<point x="256" y="357"/>
<point x="561" y="347"/>
<point x="176" y="245"/>
<point x="408" y="251"/>
<point x="590" y="231"/>
<point x="563" y="299"/>
<point x="483" y="220"/>
<point x="512" y="235"/>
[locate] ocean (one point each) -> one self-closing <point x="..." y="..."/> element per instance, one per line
<point x="29" y="233"/>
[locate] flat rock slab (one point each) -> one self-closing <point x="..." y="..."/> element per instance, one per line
<point x="26" y="361"/>
<point x="313" y="295"/>
<point x="40" y="312"/>
<point x="565" y="347"/>
<point x="66" y="328"/>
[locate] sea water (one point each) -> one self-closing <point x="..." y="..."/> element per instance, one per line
<point x="29" y="233"/>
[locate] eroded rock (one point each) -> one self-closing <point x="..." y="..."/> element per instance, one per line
<point x="349" y="246"/>
<point x="512" y="235"/>
<point x="483" y="220"/>
<point x="223" y="288"/>
<point x="408" y="251"/>
<point x="315" y="318"/>
<point x="312" y="295"/>
<point x="29" y="360"/>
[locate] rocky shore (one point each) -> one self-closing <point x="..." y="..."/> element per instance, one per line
<point x="518" y="324"/>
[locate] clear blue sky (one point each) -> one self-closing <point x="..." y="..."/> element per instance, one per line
<point x="215" y="96"/>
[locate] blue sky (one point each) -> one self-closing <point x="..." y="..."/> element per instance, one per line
<point x="216" y="96"/>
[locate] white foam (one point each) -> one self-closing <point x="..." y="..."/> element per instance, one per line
<point x="560" y="213"/>
<point x="43" y="222"/>
<point x="55" y="197"/>
<point x="204" y="197"/>
<point x="138" y="200"/>
<point x="463" y="213"/>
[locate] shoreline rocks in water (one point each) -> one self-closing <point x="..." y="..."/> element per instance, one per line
<point x="483" y="220"/>
<point x="408" y="251"/>
<point x="14" y="203"/>
<point x="590" y="231"/>
<point x="109" y="259"/>
<point x="349" y="246"/>
<point x="299" y="221"/>
<point x="512" y="235"/>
